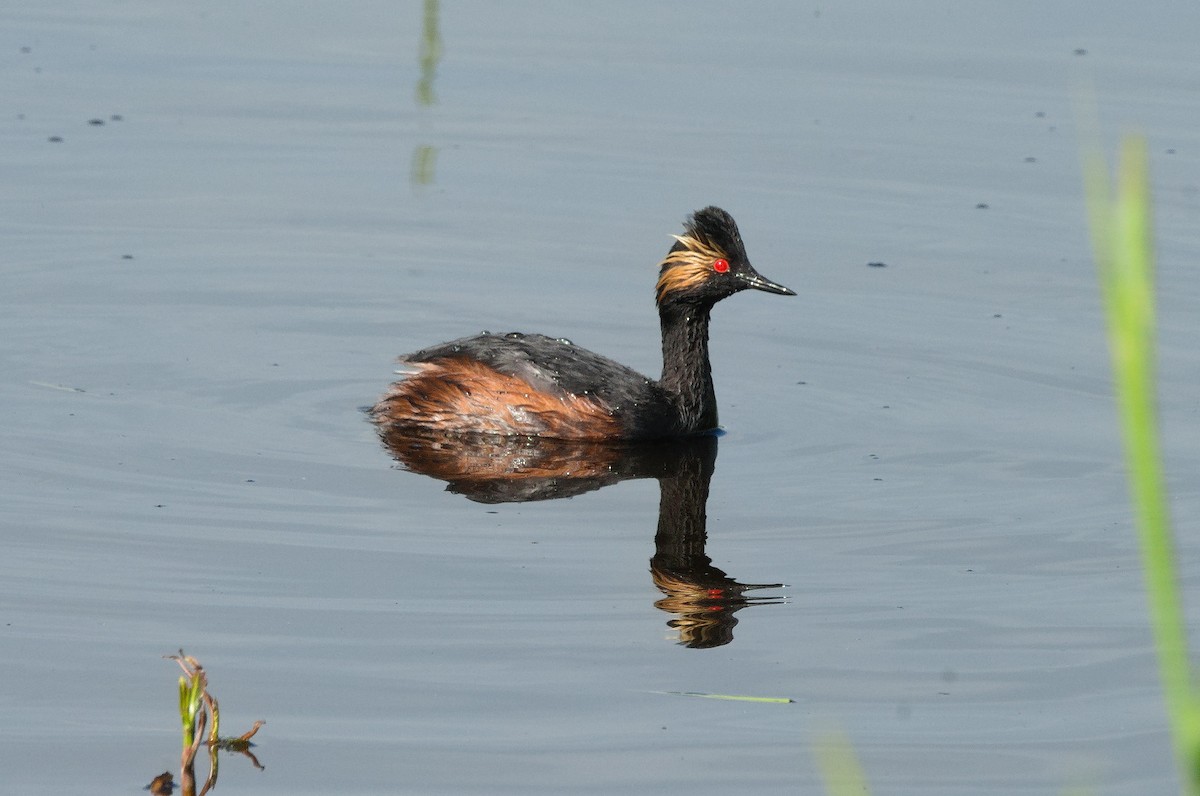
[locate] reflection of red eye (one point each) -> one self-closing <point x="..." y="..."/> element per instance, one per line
<point x="721" y="266"/>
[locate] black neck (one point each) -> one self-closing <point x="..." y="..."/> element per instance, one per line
<point x="686" y="374"/>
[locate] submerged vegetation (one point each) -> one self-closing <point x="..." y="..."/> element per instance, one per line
<point x="1122" y="240"/>
<point x="198" y="712"/>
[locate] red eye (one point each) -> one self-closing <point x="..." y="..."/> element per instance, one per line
<point x="720" y="266"/>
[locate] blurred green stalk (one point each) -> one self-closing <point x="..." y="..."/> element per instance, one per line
<point x="1123" y="247"/>
<point x="840" y="770"/>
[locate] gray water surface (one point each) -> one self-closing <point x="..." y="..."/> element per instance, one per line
<point x="200" y="293"/>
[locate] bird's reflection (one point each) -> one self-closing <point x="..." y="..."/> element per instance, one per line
<point x="487" y="469"/>
<point x="703" y="598"/>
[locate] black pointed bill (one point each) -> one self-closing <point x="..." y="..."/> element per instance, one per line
<point x="753" y="279"/>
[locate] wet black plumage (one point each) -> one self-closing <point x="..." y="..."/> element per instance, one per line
<point x="530" y="384"/>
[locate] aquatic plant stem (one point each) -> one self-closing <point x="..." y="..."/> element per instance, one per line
<point x="1122" y="240"/>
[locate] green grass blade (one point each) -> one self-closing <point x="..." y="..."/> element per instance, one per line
<point x="732" y="697"/>
<point x="1121" y="235"/>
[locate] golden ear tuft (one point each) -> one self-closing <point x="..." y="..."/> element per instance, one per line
<point x="681" y="277"/>
<point x="688" y="267"/>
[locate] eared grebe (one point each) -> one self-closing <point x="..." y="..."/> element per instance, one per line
<point x="532" y="385"/>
